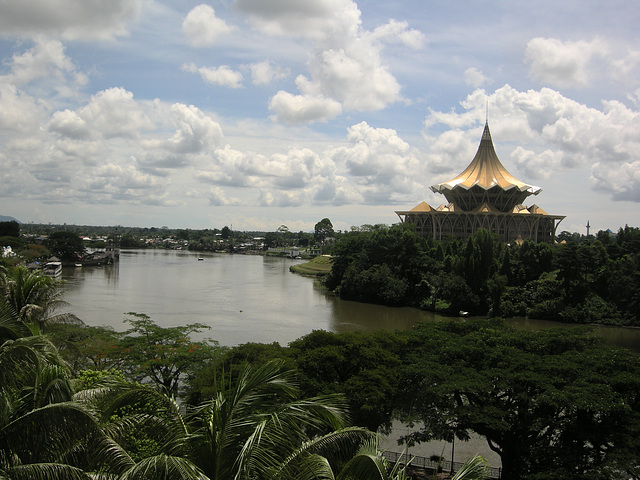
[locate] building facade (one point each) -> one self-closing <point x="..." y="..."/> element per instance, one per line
<point x="485" y="195"/>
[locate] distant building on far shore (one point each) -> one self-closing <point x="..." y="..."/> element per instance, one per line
<point x="485" y="195"/>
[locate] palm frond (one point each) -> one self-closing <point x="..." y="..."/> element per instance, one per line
<point x="164" y="467"/>
<point x="473" y="469"/>
<point x="336" y="447"/>
<point x="315" y="467"/>
<point x="46" y="471"/>
<point x="11" y="327"/>
<point x="49" y="433"/>
<point x="106" y="451"/>
<point x="370" y="466"/>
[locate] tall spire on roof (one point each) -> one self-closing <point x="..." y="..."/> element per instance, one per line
<point x="485" y="172"/>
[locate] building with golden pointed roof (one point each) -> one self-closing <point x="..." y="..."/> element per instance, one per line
<point x="485" y="195"/>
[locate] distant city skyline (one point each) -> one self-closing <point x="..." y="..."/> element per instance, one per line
<point x="257" y="114"/>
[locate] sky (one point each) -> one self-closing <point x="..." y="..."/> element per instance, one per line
<point x="259" y="113"/>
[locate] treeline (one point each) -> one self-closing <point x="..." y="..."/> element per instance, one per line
<point x="596" y="280"/>
<point x="207" y="239"/>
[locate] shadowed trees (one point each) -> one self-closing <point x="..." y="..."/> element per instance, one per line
<point x="65" y="245"/>
<point x="554" y="403"/>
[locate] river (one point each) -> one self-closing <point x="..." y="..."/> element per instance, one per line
<point x="243" y="298"/>
<point x="249" y="298"/>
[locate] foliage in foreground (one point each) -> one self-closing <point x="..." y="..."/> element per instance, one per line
<point x="541" y="399"/>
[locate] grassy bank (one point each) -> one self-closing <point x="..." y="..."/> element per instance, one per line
<point x="317" y="267"/>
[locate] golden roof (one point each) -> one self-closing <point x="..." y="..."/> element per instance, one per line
<point x="520" y="209"/>
<point x="423" y="207"/>
<point x="450" y="207"/>
<point x="485" y="171"/>
<point x="485" y="208"/>
<point x="537" y="210"/>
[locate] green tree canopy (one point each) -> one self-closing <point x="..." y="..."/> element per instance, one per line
<point x="555" y="403"/>
<point x="10" y="229"/>
<point x="65" y="245"/>
<point x="362" y="366"/>
<point x="162" y="354"/>
<point x="385" y="265"/>
<point x="323" y="229"/>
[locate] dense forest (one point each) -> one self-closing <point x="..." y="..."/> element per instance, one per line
<point x="596" y="280"/>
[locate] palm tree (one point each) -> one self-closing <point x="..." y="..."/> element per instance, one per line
<point x="36" y="425"/>
<point x="43" y="434"/>
<point x="369" y="463"/>
<point x="34" y="296"/>
<point x="252" y="429"/>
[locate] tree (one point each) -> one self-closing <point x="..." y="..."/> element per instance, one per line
<point x="362" y="366"/>
<point x="496" y="286"/>
<point x="87" y="347"/>
<point x="34" y="297"/>
<point x="202" y="379"/>
<point x="254" y="427"/>
<point x="284" y="235"/>
<point x="128" y="240"/>
<point x="322" y="230"/>
<point x="386" y="265"/>
<point x="162" y="354"/>
<point x="225" y="232"/>
<point x="65" y="245"/>
<point x="10" y="229"/>
<point x="43" y="433"/>
<point x="555" y="402"/>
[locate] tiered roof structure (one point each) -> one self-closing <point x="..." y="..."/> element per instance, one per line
<point x="484" y="195"/>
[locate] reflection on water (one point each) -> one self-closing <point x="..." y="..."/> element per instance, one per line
<point x="243" y="298"/>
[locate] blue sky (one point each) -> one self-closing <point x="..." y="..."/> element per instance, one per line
<point x="255" y="114"/>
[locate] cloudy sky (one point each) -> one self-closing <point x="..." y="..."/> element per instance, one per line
<point x="258" y="113"/>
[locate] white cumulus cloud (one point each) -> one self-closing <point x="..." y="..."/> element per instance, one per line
<point x="263" y="73"/>
<point x="222" y="75"/>
<point x="347" y="64"/>
<point x="109" y="113"/>
<point x="475" y="77"/>
<point x="201" y="27"/>
<point x="381" y="163"/>
<point x="292" y="109"/>
<point x="563" y="64"/>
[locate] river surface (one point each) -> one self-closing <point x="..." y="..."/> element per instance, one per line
<point x="249" y="298"/>
<point x="242" y="298"/>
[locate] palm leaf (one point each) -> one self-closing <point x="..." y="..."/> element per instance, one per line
<point x="473" y="469"/>
<point x="336" y="447"/>
<point x="315" y="467"/>
<point x="46" y="471"/>
<point x="49" y="433"/>
<point x="371" y="466"/>
<point x="11" y="327"/>
<point x="164" y="467"/>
